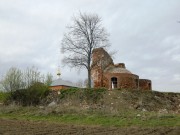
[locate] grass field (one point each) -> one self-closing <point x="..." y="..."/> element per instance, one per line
<point x="101" y="120"/>
<point x="123" y="119"/>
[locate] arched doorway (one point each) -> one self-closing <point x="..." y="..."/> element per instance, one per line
<point x="113" y="82"/>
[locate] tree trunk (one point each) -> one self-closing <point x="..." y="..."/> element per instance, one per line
<point x="89" y="78"/>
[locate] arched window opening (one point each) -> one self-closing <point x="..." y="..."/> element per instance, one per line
<point x="114" y="82"/>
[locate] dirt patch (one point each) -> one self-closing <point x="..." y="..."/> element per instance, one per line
<point x="24" y="127"/>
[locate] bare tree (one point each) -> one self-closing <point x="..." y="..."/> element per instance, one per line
<point x="30" y="76"/>
<point x="48" y="79"/>
<point x="13" y="80"/>
<point x="85" y="34"/>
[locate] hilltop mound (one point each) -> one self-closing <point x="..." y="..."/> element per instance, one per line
<point x="118" y="100"/>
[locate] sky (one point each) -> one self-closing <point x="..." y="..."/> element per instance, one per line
<point x="144" y="33"/>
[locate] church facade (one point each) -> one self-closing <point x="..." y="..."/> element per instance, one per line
<point x="106" y="74"/>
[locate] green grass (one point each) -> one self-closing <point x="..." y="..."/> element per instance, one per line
<point x="95" y="119"/>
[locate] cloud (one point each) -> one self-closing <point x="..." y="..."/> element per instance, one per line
<point x="145" y="33"/>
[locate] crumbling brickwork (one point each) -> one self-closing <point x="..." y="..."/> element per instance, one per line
<point x="145" y="84"/>
<point x="107" y="74"/>
<point x="100" y="60"/>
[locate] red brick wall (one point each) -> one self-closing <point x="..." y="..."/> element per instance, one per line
<point x="56" y="88"/>
<point x="101" y="60"/>
<point x="127" y="81"/>
<point x="145" y="84"/>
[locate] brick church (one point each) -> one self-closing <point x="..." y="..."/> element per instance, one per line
<point x="114" y="76"/>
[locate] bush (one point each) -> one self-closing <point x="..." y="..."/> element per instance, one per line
<point x="31" y="96"/>
<point x="93" y="95"/>
<point x="89" y="95"/>
<point x="68" y="92"/>
<point x="4" y="96"/>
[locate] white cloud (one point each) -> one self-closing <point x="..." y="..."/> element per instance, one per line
<point x="145" y="33"/>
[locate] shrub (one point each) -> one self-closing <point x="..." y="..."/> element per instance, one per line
<point x="90" y="95"/>
<point x="68" y="92"/>
<point x="31" y="96"/>
<point x="93" y="95"/>
<point x="4" y="96"/>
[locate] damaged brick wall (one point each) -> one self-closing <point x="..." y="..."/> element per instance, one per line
<point x="145" y="84"/>
<point x="124" y="81"/>
<point x="103" y="70"/>
<point x="100" y="60"/>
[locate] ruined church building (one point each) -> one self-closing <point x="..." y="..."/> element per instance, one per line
<point x="114" y="76"/>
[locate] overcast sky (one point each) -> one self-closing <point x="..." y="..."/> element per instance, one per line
<point x="145" y="34"/>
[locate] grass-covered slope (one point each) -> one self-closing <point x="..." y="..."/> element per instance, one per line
<point x="102" y="107"/>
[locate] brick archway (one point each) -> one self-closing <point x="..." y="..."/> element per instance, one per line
<point x="114" y="82"/>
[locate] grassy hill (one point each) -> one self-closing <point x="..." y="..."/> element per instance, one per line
<point x="102" y="107"/>
<point x="118" y="100"/>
